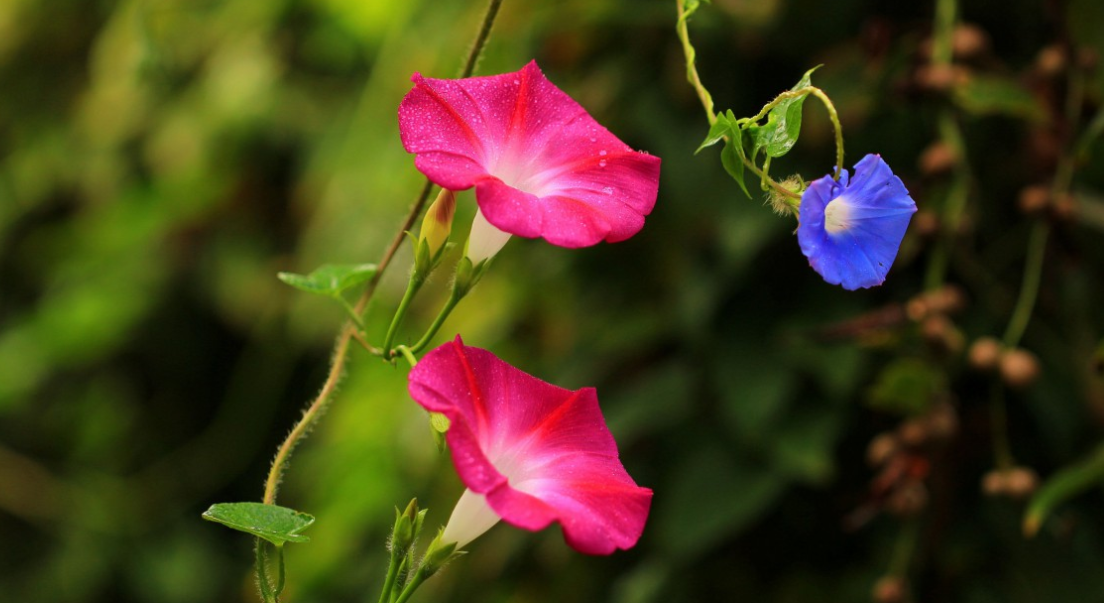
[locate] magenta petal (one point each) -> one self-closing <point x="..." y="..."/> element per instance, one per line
<point x="537" y="452"/>
<point x="571" y="181"/>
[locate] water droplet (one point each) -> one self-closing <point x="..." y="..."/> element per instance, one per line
<point x="607" y="190"/>
<point x="516" y="82"/>
<point x="602" y="152"/>
<point x="602" y="163"/>
<point x="593" y="139"/>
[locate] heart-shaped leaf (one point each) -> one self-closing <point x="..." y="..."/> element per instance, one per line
<point x="271" y="522"/>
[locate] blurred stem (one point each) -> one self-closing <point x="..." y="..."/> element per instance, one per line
<point x="412" y="288"/>
<point x="690" y="54"/>
<point x="341" y="348"/>
<point x="904" y="547"/>
<point x="454" y="298"/>
<point x="953" y="205"/>
<point x="998" y="418"/>
<point x="1029" y="289"/>
<point x="943" y="36"/>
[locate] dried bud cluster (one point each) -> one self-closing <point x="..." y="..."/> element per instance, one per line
<point x="1018" y="367"/>
<point x="1037" y="200"/>
<point x="1015" y="482"/>
<point x="901" y="456"/>
<point x="947" y="299"/>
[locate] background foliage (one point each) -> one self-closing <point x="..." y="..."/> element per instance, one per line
<point x="162" y="160"/>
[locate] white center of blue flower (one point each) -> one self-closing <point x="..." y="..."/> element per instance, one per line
<point x="837" y="216"/>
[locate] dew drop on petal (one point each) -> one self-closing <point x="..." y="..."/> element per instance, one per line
<point x="602" y="163"/>
<point x="602" y="152"/>
<point x="607" y="190"/>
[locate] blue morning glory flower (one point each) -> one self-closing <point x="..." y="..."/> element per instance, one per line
<point x="850" y="230"/>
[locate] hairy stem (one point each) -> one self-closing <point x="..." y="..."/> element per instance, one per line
<point x="691" y="68"/>
<point x="341" y="348"/>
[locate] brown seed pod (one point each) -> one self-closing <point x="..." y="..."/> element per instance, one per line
<point x="1019" y="368"/>
<point x="1020" y="482"/>
<point x="985" y="353"/>
<point x="1051" y="60"/>
<point x="926" y="223"/>
<point x="947" y="299"/>
<point x="1033" y="200"/>
<point x="937" y="159"/>
<point x="908" y="499"/>
<point x="942" y="421"/>
<point x="916" y="308"/>
<point x="940" y="78"/>
<point x="881" y="448"/>
<point x="913" y="432"/>
<point x="994" y="483"/>
<point x="969" y="41"/>
<point x="935" y="327"/>
<point x="1063" y="207"/>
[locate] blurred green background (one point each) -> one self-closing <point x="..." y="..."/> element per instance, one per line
<point x="161" y="160"/>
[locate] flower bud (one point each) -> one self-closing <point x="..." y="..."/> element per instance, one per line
<point x="1019" y="368"/>
<point x="985" y="353"/>
<point x="437" y="223"/>
<point x="881" y="448"/>
<point x="404" y="533"/>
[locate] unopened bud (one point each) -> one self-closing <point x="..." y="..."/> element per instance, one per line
<point x="938" y="158"/>
<point x="437" y="223"/>
<point x="881" y="448"/>
<point x="1019" y="368"/>
<point x="993" y="483"/>
<point x="1021" y="482"/>
<point x="1033" y="199"/>
<point x="985" y="353"/>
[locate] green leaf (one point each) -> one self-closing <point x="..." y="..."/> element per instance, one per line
<point x="1064" y="485"/>
<point x="906" y="386"/>
<point x="783" y="125"/>
<point x="993" y="95"/>
<point x="717" y="131"/>
<point x="331" y="279"/>
<point x="733" y="152"/>
<point x="271" y="522"/>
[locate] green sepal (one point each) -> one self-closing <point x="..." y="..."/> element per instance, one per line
<point x="331" y="279"/>
<point x="270" y="522"/>
<point x="1064" y="485"/>
<point x="780" y="133"/>
<point x="437" y="555"/>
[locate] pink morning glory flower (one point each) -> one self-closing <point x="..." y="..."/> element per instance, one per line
<point x="529" y="452"/>
<point x="541" y="166"/>
<point x="851" y="230"/>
